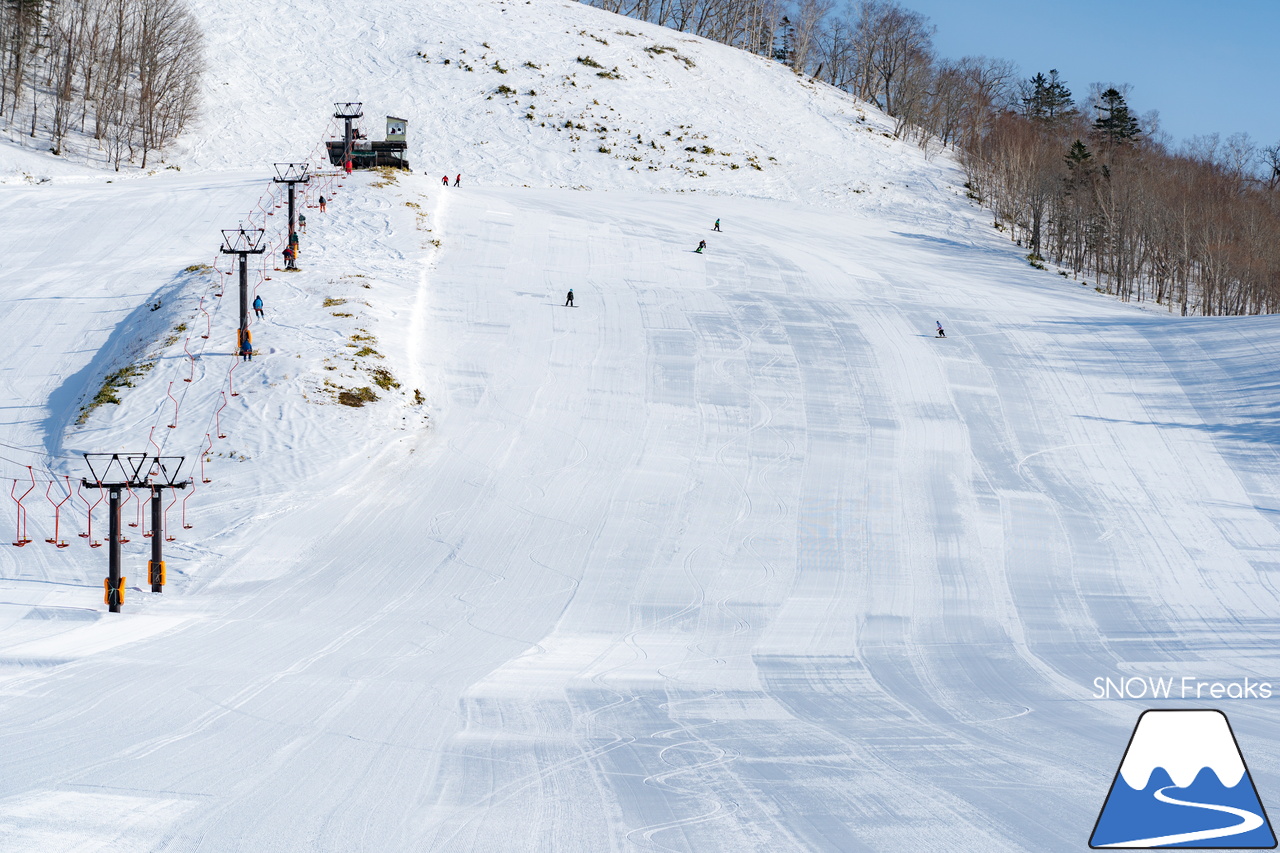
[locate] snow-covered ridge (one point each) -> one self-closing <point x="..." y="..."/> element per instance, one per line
<point x="546" y="94"/>
<point x="467" y="74"/>
<point x="1183" y="743"/>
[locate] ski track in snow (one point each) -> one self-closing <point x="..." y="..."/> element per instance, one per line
<point x="733" y="556"/>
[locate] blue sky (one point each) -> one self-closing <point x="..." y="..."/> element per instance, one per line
<point x="1207" y="67"/>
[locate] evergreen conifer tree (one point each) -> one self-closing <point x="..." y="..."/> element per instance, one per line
<point x="1047" y="99"/>
<point x="784" y="45"/>
<point x="1118" y="125"/>
<point x="1078" y="157"/>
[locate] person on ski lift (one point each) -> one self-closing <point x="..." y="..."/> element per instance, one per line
<point x="289" y="255"/>
<point x="257" y="306"/>
<point x="941" y="333"/>
<point x="322" y="204"/>
<point x="702" y="244"/>
<point x="246" y="349"/>
<point x="568" y="300"/>
<point x="302" y="222"/>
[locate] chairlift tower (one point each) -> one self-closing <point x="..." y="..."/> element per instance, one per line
<point x="349" y="112"/>
<point x="116" y="472"/>
<point x="292" y="174"/>
<point x="244" y="242"/>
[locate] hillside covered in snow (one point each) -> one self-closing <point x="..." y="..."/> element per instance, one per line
<point x="734" y="554"/>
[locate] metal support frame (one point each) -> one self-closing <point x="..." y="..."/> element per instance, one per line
<point x="292" y="174"/>
<point x="349" y="112"/>
<point x="155" y="568"/>
<point x="243" y="242"/>
<point x="114" y="594"/>
<point x="116" y="472"/>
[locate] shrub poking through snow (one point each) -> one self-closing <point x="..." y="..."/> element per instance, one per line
<point x="357" y="397"/>
<point x="122" y="378"/>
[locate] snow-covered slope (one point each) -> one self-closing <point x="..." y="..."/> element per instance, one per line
<point x="676" y="113"/>
<point x="735" y="555"/>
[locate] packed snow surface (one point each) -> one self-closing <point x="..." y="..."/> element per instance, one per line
<point x="732" y="555"/>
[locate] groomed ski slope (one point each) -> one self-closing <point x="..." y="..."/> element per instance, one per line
<point x="733" y="556"/>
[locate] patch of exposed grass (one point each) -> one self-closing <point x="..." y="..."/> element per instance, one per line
<point x="122" y="378"/>
<point x="383" y="379"/>
<point x="387" y="176"/>
<point x="357" y="397"/>
<point x="333" y="302"/>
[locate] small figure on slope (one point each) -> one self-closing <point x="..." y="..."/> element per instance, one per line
<point x="322" y="204"/>
<point x="457" y="181"/>
<point x="257" y="306"/>
<point x="445" y="180"/>
<point x="716" y="227"/>
<point x="702" y="244"/>
<point x="302" y="222"/>
<point x="246" y="349"/>
<point x="941" y="333"/>
<point x="568" y="300"/>
<point x="289" y="255"/>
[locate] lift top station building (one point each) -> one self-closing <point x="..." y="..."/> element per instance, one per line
<point x="366" y="153"/>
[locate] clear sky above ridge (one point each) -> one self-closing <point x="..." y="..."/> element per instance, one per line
<point x="1207" y="67"/>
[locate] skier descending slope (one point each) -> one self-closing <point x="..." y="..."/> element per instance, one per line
<point x="941" y="333"/>
<point x="568" y="300"/>
<point x="702" y="244"/>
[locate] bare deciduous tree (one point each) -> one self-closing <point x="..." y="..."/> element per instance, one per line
<point x="135" y="65"/>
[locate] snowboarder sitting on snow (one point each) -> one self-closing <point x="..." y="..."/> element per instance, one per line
<point x="716" y="227"/>
<point x="257" y="306"/>
<point x="568" y="300"/>
<point x="702" y="244"/>
<point x="941" y="333"/>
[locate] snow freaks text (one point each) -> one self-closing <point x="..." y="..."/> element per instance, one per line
<point x="1186" y="687"/>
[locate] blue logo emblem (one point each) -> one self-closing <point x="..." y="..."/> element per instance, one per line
<point x="1183" y="783"/>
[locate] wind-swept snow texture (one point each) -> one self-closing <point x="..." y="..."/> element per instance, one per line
<point x="733" y="556"/>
